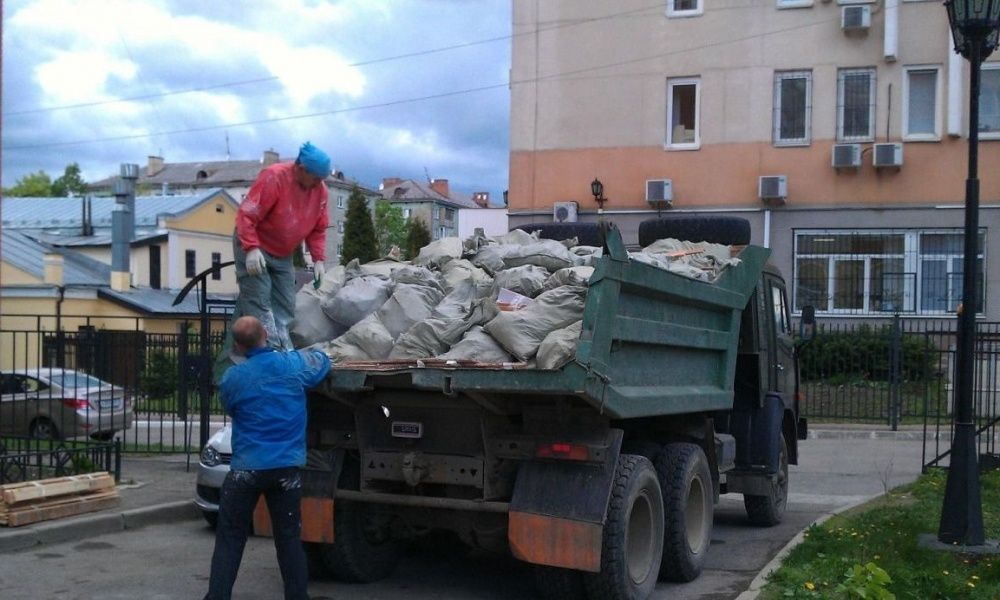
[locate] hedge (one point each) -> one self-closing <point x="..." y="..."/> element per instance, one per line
<point x="864" y="353"/>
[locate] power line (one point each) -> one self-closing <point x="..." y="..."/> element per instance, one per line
<point x="362" y="63"/>
<point x="423" y="98"/>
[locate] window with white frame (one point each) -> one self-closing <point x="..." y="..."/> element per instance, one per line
<point x="921" y="107"/>
<point x="407" y="213"/>
<point x="794" y="3"/>
<point x="792" y="108"/>
<point x="856" y="105"/>
<point x="340" y="202"/>
<point x="683" y="97"/>
<point x="881" y="271"/>
<point x="989" y="102"/>
<point x="684" y="8"/>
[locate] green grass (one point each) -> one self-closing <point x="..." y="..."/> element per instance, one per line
<point x="883" y="534"/>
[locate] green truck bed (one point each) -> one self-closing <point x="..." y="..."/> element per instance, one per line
<point x="653" y="343"/>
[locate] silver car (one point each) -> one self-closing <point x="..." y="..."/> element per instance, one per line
<point x="56" y="403"/>
<point x="212" y="469"/>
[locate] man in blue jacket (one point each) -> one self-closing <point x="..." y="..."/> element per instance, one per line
<point x="265" y="395"/>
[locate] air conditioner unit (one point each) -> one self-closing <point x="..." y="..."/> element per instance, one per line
<point x="564" y="212"/>
<point x="888" y="155"/>
<point x="855" y="18"/>
<point x="660" y="191"/>
<point x="773" y="189"/>
<point x="846" y="156"/>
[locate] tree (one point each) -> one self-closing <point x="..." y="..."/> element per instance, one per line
<point x="417" y="236"/>
<point x="359" y="232"/>
<point x="70" y="181"/>
<point x="35" y="185"/>
<point x="390" y="226"/>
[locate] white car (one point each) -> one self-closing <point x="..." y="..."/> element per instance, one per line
<point x="213" y="466"/>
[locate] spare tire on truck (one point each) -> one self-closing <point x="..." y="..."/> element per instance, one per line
<point x="733" y="231"/>
<point x="587" y="234"/>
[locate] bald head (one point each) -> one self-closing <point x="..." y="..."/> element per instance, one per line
<point x="248" y="333"/>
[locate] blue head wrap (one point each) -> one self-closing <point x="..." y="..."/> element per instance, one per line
<point x="314" y="160"/>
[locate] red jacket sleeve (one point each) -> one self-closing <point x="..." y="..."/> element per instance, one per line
<point x="260" y="200"/>
<point x="316" y="240"/>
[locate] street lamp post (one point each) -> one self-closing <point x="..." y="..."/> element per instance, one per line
<point x="974" y="25"/>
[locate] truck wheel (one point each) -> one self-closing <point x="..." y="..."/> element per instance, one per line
<point x="768" y="510"/>
<point x="364" y="549"/>
<point x="688" y="504"/>
<point x="554" y="583"/>
<point x="694" y="228"/>
<point x="633" y="534"/>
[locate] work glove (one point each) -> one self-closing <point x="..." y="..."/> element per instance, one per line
<point x="319" y="269"/>
<point x="255" y="262"/>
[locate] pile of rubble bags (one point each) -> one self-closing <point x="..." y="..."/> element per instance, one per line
<point x="508" y="299"/>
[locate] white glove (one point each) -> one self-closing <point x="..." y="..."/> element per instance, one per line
<point x="255" y="262"/>
<point x="319" y="269"/>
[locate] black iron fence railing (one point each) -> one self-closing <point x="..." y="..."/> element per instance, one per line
<point x="30" y="459"/>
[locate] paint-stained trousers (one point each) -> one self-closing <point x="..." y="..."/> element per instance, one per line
<point x="282" y="489"/>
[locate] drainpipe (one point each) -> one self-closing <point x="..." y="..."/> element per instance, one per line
<point x="767" y="227"/>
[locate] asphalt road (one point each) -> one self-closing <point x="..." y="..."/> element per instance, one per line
<point x="171" y="562"/>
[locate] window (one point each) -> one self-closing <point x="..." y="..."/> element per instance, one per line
<point x="340" y="249"/>
<point x="340" y="202"/>
<point x="920" y="104"/>
<point x="881" y="271"/>
<point x="684" y="8"/>
<point x="406" y="213"/>
<point x="792" y="108"/>
<point x="856" y="105"/>
<point x="189" y="264"/>
<point x="154" y="267"/>
<point x="218" y="208"/>
<point x="216" y="271"/>
<point x="989" y="102"/>
<point x="682" y="114"/>
<point x="794" y="3"/>
<point x="340" y="227"/>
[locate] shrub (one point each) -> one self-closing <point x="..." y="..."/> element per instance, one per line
<point x="864" y="353"/>
<point x="160" y="378"/>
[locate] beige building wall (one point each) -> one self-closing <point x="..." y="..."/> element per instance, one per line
<point x="173" y="260"/>
<point x="589" y="99"/>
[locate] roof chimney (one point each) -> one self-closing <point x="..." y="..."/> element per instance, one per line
<point x="154" y="165"/>
<point x="269" y="158"/>
<point x="390" y="182"/>
<point x="440" y="186"/>
<point x="481" y="198"/>
<point x="53" y="268"/>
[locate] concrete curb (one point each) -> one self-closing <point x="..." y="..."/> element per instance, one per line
<point x="873" y="434"/>
<point x="753" y="590"/>
<point x="87" y="526"/>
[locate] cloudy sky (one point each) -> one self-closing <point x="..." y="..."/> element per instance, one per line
<point x="101" y="82"/>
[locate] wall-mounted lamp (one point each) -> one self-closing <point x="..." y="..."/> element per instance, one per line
<point x="597" y="190"/>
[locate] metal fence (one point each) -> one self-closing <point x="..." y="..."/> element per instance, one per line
<point x="143" y="382"/>
<point x="30" y="459"/>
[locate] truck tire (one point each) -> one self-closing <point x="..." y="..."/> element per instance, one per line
<point x="768" y="510"/>
<point x="633" y="534"/>
<point x="554" y="583"/>
<point x="688" y="504"/>
<point x="361" y="552"/>
<point x="695" y="228"/>
<point x="586" y="234"/>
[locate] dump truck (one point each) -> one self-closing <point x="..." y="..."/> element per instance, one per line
<point x="603" y="473"/>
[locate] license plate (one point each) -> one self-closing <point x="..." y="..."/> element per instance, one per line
<point x="109" y="404"/>
<point x="407" y="429"/>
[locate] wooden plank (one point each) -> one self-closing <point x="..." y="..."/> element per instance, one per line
<point x="57" y="509"/>
<point x="47" y="488"/>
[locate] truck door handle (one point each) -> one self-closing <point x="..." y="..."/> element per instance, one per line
<point x="780" y="366"/>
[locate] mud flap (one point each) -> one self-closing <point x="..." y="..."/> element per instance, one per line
<point x="557" y="511"/>
<point x="319" y="485"/>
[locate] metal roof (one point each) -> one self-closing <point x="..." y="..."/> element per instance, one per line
<point x="29" y="255"/>
<point x="67" y="213"/>
<point x="158" y="301"/>
<point x="411" y="190"/>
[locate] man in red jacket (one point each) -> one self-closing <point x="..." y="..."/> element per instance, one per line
<point x="285" y="205"/>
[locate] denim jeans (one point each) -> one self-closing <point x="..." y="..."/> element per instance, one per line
<point x="282" y="489"/>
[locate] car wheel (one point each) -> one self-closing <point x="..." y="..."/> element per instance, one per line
<point x="717" y="230"/>
<point x="43" y="429"/>
<point x="586" y="234"/>
<point x="768" y="510"/>
<point x="211" y="517"/>
<point x="632" y="544"/>
<point x="689" y="505"/>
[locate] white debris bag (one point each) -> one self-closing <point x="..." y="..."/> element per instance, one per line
<point x="578" y="276"/>
<point x="477" y="345"/>
<point x="527" y="280"/>
<point x="416" y="275"/>
<point x="520" y="332"/>
<point x="408" y="304"/>
<point x="548" y="254"/>
<point x="559" y="347"/>
<point x="586" y="256"/>
<point x="435" y="336"/>
<point x="370" y="336"/>
<point x="703" y="261"/>
<point x="360" y="297"/>
<point x="458" y="303"/>
<point x="439" y="252"/>
<point x="311" y="324"/>
<point x="517" y="237"/>
<point x="454" y="272"/>
<point x="340" y="351"/>
<point x="384" y="267"/>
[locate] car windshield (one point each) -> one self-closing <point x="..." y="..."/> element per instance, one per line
<point x="72" y="379"/>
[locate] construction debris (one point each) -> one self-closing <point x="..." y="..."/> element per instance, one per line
<point x="33" y="501"/>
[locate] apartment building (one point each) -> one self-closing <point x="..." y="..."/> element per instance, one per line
<point x="837" y="127"/>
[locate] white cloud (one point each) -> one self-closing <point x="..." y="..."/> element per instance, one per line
<point x="82" y="76"/>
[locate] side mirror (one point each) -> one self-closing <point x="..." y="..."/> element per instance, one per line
<point x="807" y="324"/>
